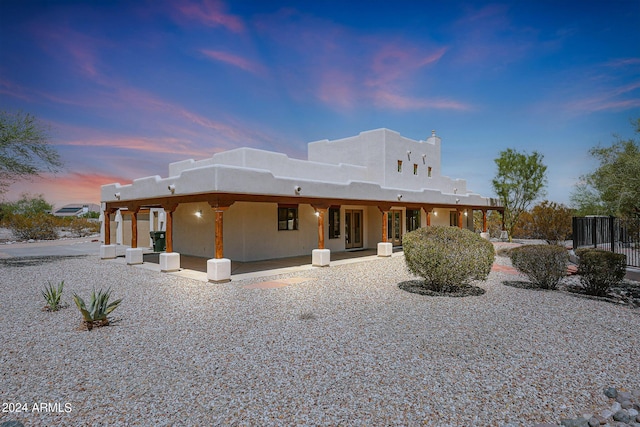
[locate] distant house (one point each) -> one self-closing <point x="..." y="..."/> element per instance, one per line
<point x="364" y="191"/>
<point x="77" y="209"/>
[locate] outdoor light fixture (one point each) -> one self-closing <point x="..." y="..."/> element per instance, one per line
<point x="297" y="189"/>
<point x="199" y="213"/>
<point x="435" y="213"/>
<point x="399" y="196"/>
<point x="117" y="196"/>
<point x="409" y="154"/>
<point x="172" y="188"/>
<point x="317" y="213"/>
<point x="455" y="191"/>
<point x="457" y="200"/>
<point x="465" y="213"/>
<point x="424" y="159"/>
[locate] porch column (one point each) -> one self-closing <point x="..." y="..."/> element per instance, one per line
<point x="484" y="233"/>
<point x="385" y="248"/>
<point x="107" y="251"/>
<point x="428" y="212"/>
<point x="133" y="255"/>
<point x="169" y="260"/>
<point x="219" y="268"/>
<point x="504" y="235"/>
<point x="320" y="257"/>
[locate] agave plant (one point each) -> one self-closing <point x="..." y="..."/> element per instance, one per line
<point x="99" y="308"/>
<point x="52" y="296"/>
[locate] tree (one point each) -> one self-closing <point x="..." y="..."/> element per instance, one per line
<point x="24" y="149"/>
<point x="520" y="180"/>
<point x="30" y="218"/>
<point x="551" y="221"/>
<point x="614" y="187"/>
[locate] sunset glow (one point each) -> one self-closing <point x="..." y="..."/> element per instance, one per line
<point x="128" y="87"/>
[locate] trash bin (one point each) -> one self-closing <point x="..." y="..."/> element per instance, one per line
<point x="159" y="240"/>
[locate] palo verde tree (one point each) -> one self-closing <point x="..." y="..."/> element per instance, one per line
<point x="519" y="181"/>
<point x="614" y="187"/>
<point x="25" y="150"/>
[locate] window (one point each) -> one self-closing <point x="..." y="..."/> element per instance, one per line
<point x="288" y="217"/>
<point x="399" y="165"/>
<point x="334" y="223"/>
<point x="429" y="172"/>
<point x="413" y="219"/>
<point x="415" y="169"/>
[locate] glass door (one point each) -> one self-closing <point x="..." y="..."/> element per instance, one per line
<point x="394" y="228"/>
<point x="353" y="229"/>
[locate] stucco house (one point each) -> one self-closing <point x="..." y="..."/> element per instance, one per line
<point x="245" y="204"/>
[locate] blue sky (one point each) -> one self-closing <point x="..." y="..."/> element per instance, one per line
<point x="130" y="86"/>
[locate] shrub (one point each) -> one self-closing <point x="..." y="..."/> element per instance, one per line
<point x="52" y="296"/>
<point x="544" y="265"/>
<point x="447" y="257"/>
<point x="99" y="308"/>
<point x="82" y="227"/>
<point x="41" y="226"/>
<point x="599" y="270"/>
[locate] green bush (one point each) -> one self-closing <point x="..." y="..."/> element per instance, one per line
<point x="599" y="270"/>
<point x="447" y="257"/>
<point x="40" y="226"/>
<point x="81" y="227"/>
<point x="544" y="265"/>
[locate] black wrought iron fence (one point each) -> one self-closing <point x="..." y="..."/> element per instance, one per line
<point x="609" y="233"/>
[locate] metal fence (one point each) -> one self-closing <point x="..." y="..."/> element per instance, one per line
<point x="609" y="233"/>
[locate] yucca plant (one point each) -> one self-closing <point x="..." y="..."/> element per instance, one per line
<point x="52" y="296"/>
<point x="99" y="308"/>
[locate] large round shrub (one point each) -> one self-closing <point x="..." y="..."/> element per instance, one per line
<point x="600" y="270"/>
<point x="447" y="257"/>
<point x="544" y="265"/>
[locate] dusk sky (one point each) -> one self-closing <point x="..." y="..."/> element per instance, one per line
<point x="129" y="86"/>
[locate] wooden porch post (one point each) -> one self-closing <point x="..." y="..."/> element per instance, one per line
<point x="168" y="213"/>
<point x="428" y="212"/>
<point x="484" y="220"/>
<point x="321" y="213"/>
<point x="134" y="227"/>
<point x="385" y="225"/>
<point x="219" y="253"/>
<point x="459" y="218"/>
<point x="107" y="226"/>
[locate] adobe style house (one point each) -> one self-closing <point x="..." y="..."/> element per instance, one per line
<point x="245" y="204"/>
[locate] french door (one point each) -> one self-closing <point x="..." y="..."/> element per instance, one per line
<point x="394" y="228"/>
<point x="353" y="229"/>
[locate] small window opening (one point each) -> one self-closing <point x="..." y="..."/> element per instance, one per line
<point x="399" y="165"/>
<point x="415" y="169"/>
<point x="429" y="172"/>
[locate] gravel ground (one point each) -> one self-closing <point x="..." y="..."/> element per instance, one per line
<point x="346" y="347"/>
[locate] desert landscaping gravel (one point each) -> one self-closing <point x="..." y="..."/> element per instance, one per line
<point x="332" y="346"/>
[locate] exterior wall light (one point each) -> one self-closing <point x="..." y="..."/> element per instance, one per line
<point x="424" y="159"/>
<point x="117" y="195"/>
<point x="317" y="213"/>
<point x="455" y="191"/>
<point x="297" y="189"/>
<point x="399" y="196"/>
<point x="457" y="200"/>
<point x="199" y="213"/>
<point x="172" y="188"/>
<point x="435" y="213"/>
<point x="409" y="154"/>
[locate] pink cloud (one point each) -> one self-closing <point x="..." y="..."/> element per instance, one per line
<point x="399" y="102"/>
<point x="211" y="13"/>
<point x="609" y="100"/>
<point x="236" y="61"/>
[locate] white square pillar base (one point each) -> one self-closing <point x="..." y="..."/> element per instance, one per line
<point x="169" y="261"/>
<point x="485" y="235"/>
<point x="133" y="256"/>
<point x="219" y="270"/>
<point x="107" y="251"/>
<point x="320" y="257"/>
<point x="385" y="249"/>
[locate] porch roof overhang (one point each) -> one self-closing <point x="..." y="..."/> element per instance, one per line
<point x="223" y="199"/>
